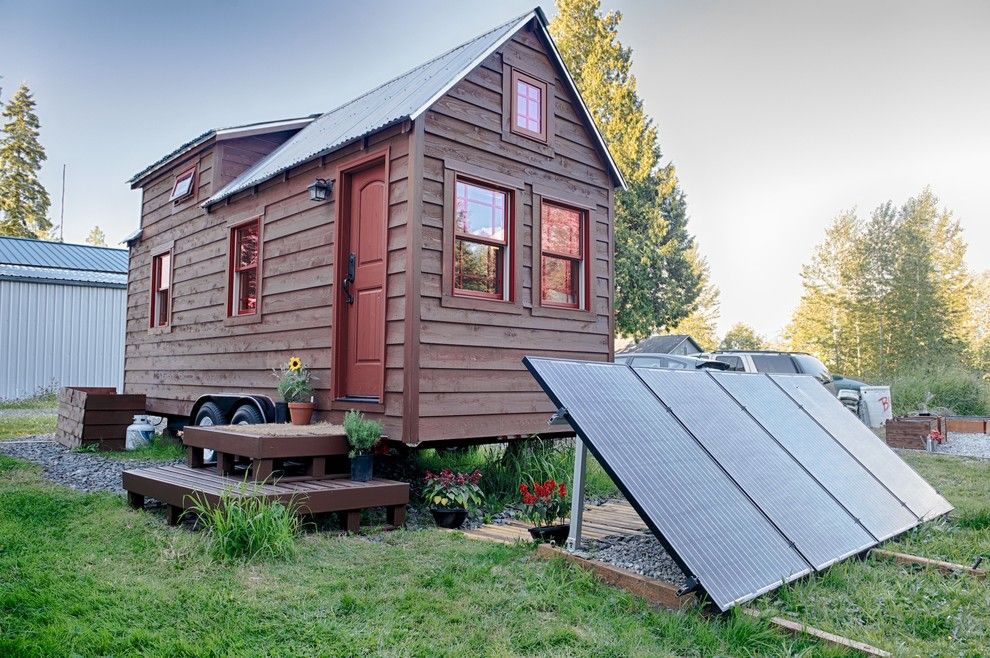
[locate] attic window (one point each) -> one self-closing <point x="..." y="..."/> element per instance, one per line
<point x="184" y="185"/>
<point x="529" y="106"/>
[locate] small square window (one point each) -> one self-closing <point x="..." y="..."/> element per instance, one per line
<point x="529" y="106"/>
<point x="184" y="185"/>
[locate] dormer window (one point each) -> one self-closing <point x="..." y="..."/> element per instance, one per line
<point x="529" y="106"/>
<point x="184" y="185"/>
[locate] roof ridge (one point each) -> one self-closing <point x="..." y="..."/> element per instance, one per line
<point x="59" y="242"/>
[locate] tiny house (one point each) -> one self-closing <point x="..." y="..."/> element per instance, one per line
<point x="411" y="246"/>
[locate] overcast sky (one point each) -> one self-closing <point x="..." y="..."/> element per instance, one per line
<point x="778" y="115"/>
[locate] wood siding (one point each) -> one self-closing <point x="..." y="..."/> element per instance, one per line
<point x="201" y="352"/>
<point x="472" y="382"/>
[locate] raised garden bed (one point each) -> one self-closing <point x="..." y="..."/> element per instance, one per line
<point x="95" y="416"/>
<point x="911" y="431"/>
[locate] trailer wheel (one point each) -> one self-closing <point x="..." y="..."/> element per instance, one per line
<point x="210" y="414"/>
<point x="247" y="414"/>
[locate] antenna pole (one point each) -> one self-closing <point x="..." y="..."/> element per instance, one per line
<point x="61" y="211"/>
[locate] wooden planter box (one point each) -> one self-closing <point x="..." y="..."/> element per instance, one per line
<point x="911" y="431"/>
<point x="968" y="424"/>
<point x="99" y="416"/>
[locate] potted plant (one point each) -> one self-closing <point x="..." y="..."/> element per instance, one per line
<point x="450" y="496"/>
<point x="362" y="434"/>
<point x="543" y="505"/>
<point x="295" y="386"/>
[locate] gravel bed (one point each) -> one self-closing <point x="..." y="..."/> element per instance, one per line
<point x="83" y="471"/>
<point x="966" y="445"/>
<point x="641" y="554"/>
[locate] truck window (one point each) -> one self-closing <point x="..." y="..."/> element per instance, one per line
<point x="774" y="363"/>
<point x="812" y="366"/>
<point x="734" y="362"/>
<point x="657" y="362"/>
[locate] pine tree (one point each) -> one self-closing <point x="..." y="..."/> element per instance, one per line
<point x="655" y="281"/>
<point x="742" y="337"/>
<point x="96" y="237"/>
<point x="23" y="200"/>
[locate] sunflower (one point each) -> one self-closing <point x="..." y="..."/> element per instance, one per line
<point x="295" y="363"/>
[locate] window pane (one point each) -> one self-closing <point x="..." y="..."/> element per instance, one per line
<point x="478" y="267"/>
<point x="559" y="281"/>
<point x="528" y="100"/>
<point x="735" y="363"/>
<point x="773" y="363"/>
<point x="161" y="305"/>
<point x="247" y="246"/>
<point x="480" y="211"/>
<point x="164" y="266"/>
<point x="561" y="230"/>
<point x="183" y="186"/>
<point x="247" y="291"/>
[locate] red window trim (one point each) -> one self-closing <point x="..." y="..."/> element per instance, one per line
<point x="232" y="270"/>
<point x="508" y="275"/>
<point x="584" y="282"/>
<point x="517" y="76"/>
<point x="190" y="172"/>
<point x="154" y="282"/>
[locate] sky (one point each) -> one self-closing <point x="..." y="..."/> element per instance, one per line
<point x="777" y="115"/>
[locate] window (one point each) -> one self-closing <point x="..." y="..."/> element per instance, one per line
<point x="184" y="185"/>
<point x="161" y="284"/>
<point x="529" y="108"/>
<point x="562" y="256"/>
<point x="734" y="362"/>
<point x="482" y="224"/>
<point x="243" y="283"/>
<point x="774" y="363"/>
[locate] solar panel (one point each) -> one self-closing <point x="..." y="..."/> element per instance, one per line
<point x="865" y="446"/>
<point x="710" y="525"/>
<point x="822" y="529"/>
<point x="858" y="490"/>
<point x="750" y="481"/>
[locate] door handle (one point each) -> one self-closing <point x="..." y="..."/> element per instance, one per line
<point x="349" y="279"/>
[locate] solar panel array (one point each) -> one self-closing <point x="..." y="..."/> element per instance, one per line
<point x="742" y="477"/>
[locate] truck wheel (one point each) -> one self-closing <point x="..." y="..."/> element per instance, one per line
<point x="210" y="414"/>
<point x="247" y="414"/>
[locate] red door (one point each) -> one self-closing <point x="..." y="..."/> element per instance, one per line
<point x="361" y="354"/>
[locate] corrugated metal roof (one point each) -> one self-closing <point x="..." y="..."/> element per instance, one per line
<point x="400" y="99"/>
<point x="51" y="274"/>
<point x="62" y="256"/>
<point x="657" y="344"/>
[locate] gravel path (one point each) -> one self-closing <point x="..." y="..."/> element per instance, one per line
<point x="83" y="471"/>
<point x="642" y="554"/>
<point x="966" y="445"/>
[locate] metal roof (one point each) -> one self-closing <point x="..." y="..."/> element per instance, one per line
<point x="400" y="99"/>
<point x="226" y="133"/>
<point x="658" y="344"/>
<point x="66" y="277"/>
<point x="62" y="256"/>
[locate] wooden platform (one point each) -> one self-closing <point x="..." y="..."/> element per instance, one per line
<point x="612" y="518"/>
<point x="177" y="486"/>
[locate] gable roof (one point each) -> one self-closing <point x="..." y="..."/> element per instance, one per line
<point x="231" y="132"/>
<point x="659" y="344"/>
<point x="25" y="259"/>
<point x="402" y="99"/>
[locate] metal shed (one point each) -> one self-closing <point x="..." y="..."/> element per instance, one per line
<point x="62" y="314"/>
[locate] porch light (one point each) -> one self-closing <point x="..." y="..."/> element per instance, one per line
<point x="320" y="189"/>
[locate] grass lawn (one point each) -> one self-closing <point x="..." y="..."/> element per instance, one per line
<point x="81" y="574"/>
<point x="17" y="427"/>
<point x="47" y="401"/>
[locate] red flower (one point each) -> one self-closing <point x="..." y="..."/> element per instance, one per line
<point x="529" y="499"/>
<point x="563" y="489"/>
<point x="523" y="488"/>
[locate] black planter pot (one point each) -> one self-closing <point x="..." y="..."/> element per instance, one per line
<point x="449" y="518"/>
<point x="556" y="533"/>
<point x="361" y="466"/>
<point x="281" y="412"/>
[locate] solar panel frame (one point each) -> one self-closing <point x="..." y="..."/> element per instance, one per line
<point x="820" y="527"/>
<point x="766" y="547"/>
<point x="875" y="455"/>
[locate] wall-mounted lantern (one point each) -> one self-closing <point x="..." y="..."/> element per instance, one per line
<point x="320" y="189"/>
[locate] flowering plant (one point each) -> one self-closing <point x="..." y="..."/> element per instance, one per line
<point x="935" y="436"/>
<point x="543" y="503"/>
<point x="295" y="383"/>
<point x="451" y="490"/>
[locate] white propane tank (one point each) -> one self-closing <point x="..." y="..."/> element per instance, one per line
<point x="139" y="433"/>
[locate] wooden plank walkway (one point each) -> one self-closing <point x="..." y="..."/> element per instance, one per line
<point x="616" y="517"/>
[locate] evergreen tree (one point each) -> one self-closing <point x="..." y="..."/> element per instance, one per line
<point x="702" y="322"/>
<point x="656" y="283"/>
<point x="977" y="325"/>
<point x="742" y="337"/>
<point x="23" y="200"/>
<point x="96" y="237"/>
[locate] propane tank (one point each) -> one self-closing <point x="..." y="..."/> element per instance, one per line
<point x="139" y="433"/>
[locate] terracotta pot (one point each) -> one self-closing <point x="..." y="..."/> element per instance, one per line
<point x="556" y="533"/>
<point x="301" y="412"/>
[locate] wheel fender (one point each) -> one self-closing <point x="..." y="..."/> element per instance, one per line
<point x="228" y="402"/>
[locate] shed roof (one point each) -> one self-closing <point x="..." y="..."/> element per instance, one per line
<point x="401" y="99"/>
<point x="659" y="344"/>
<point x="27" y="259"/>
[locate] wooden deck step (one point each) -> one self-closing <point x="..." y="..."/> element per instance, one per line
<point x="180" y="486"/>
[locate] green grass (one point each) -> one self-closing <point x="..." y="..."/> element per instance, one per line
<point x="46" y="401"/>
<point x="908" y="610"/>
<point x="158" y="449"/>
<point x="82" y="575"/>
<point x="17" y="427"/>
<point x="248" y="527"/>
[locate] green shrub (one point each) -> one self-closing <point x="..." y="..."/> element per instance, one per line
<point x="246" y="527"/>
<point x="950" y="386"/>
<point x="361" y="434"/>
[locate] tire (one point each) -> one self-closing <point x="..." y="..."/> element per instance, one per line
<point x="210" y="414"/>
<point x="247" y="414"/>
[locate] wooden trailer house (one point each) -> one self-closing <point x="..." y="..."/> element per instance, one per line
<point x="411" y="246"/>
